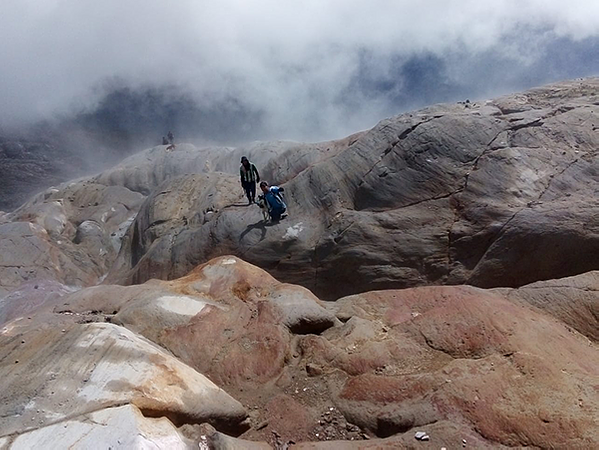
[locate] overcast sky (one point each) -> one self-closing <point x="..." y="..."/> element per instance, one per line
<point x="313" y="69"/>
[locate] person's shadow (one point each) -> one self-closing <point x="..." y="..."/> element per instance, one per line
<point x="262" y="225"/>
<point x="232" y="205"/>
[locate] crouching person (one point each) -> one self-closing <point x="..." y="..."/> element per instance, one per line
<point x="274" y="201"/>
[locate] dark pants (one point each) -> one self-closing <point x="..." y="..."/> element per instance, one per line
<point x="275" y="214"/>
<point x="250" y="190"/>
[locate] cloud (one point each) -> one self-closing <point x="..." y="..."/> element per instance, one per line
<point x="310" y="69"/>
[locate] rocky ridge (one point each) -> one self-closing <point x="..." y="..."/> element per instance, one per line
<point x="129" y="315"/>
<point x="502" y="193"/>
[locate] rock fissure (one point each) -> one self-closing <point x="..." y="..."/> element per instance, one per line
<point x="392" y="145"/>
<point x="555" y="175"/>
<point x="499" y="233"/>
<point x="418" y="202"/>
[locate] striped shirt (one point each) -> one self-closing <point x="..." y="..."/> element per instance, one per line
<point x="249" y="175"/>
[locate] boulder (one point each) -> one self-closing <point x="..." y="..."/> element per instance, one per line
<point x="55" y="370"/>
<point x="573" y="300"/>
<point x="210" y="439"/>
<point x="118" y="427"/>
<point x="247" y="315"/>
<point x="502" y="193"/>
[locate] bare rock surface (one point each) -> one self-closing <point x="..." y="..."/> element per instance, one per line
<point x="71" y="235"/>
<point x="127" y="304"/>
<point x="119" y="427"/>
<point x="573" y="300"/>
<point x="248" y="317"/>
<point x="56" y="370"/>
<point x="280" y="160"/>
<point x="502" y="193"/>
<point x="456" y="362"/>
<point x="426" y="354"/>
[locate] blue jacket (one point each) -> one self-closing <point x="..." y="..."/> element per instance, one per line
<point x="274" y="200"/>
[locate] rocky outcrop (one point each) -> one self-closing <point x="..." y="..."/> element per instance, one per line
<point x="501" y="193"/>
<point x="69" y="234"/>
<point x="248" y="317"/>
<point x="573" y="300"/>
<point x="129" y="316"/>
<point x="456" y="362"/>
<point x="58" y="371"/>
<point x="279" y="160"/>
<point x="118" y="427"/>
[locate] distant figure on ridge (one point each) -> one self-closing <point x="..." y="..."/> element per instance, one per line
<point x="249" y="177"/>
<point x="275" y="203"/>
<point x="170" y="140"/>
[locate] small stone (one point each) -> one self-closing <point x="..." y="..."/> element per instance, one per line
<point x="421" y="436"/>
<point x="313" y="370"/>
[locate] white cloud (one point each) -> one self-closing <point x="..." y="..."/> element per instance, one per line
<point x="293" y="60"/>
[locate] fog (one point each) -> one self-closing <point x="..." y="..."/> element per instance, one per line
<point x="265" y="69"/>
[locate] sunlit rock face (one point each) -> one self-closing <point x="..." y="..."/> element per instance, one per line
<point x="268" y="362"/>
<point x="149" y="307"/>
<point x="499" y="193"/>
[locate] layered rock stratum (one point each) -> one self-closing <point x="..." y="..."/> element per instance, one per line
<point x="149" y="307"/>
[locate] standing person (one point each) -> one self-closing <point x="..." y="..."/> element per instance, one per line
<point x="275" y="203"/>
<point x="249" y="177"/>
<point x="171" y="138"/>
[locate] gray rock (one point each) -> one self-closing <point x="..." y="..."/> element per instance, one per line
<point x="61" y="375"/>
<point x="501" y="194"/>
<point x="119" y="427"/>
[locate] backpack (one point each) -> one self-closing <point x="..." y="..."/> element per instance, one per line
<point x="276" y="201"/>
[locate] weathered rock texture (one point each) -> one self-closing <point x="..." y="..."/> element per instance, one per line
<point x="55" y="372"/>
<point x="457" y="362"/>
<point x="71" y="234"/>
<point x="119" y="427"/>
<point x="502" y="193"/>
<point x="128" y="316"/>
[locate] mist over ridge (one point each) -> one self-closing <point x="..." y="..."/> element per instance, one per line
<point x="86" y="84"/>
<point x="315" y="71"/>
